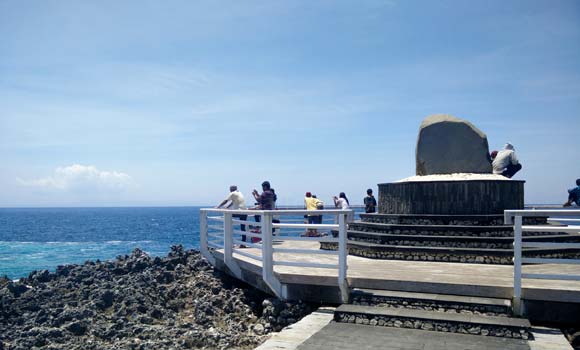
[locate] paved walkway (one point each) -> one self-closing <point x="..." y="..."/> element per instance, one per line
<point x="346" y="336"/>
<point x="317" y="332"/>
<point x="292" y="336"/>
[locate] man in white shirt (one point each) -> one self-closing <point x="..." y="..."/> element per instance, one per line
<point x="506" y="163"/>
<point x="236" y="201"/>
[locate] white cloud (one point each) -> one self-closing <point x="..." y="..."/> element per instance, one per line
<point x="79" y="176"/>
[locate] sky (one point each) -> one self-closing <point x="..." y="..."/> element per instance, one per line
<point x="167" y="103"/>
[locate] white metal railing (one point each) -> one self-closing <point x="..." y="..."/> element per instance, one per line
<point x="515" y="217"/>
<point x="263" y="228"/>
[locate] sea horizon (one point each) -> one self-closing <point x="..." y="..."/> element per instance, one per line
<point x="42" y="238"/>
<point x="37" y="238"/>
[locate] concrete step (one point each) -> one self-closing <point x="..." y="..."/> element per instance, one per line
<point x="435" y="230"/>
<point x="434" y="321"/>
<point x="467" y="251"/>
<point x="454" y="241"/>
<point x="426" y="219"/>
<point x="432" y="302"/>
<point x="427" y="249"/>
<point x="448" y="254"/>
<point x="440" y="230"/>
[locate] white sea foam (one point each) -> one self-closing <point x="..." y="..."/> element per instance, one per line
<point x="17" y="242"/>
<point x="455" y="177"/>
<point x="64" y="243"/>
<point x="126" y="242"/>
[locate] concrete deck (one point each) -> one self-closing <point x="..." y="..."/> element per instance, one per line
<point x="317" y="331"/>
<point x="495" y="281"/>
<point x="346" y="336"/>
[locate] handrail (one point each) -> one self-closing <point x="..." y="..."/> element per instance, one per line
<point x="511" y="213"/>
<point x="516" y="217"/>
<point x="267" y="225"/>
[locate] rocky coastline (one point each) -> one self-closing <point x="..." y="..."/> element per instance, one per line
<point x="139" y="302"/>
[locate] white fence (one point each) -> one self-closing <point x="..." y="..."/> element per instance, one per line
<point x="221" y="229"/>
<point x="567" y="225"/>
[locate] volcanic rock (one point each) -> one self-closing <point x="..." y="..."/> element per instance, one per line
<point x="138" y="302"/>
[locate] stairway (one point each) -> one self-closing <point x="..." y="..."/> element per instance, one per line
<point x="433" y="312"/>
<point x="480" y="239"/>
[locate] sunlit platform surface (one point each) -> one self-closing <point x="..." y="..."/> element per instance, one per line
<point x="316" y="284"/>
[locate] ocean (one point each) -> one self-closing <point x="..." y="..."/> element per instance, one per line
<point x="43" y="238"/>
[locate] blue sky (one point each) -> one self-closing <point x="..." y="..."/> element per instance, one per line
<point x="169" y="102"/>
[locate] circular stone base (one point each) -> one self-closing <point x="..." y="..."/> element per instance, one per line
<point x="451" y="197"/>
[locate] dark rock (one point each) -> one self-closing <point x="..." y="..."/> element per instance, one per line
<point x="137" y="302"/>
<point x="448" y="145"/>
<point x="17" y="289"/>
<point x="106" y="300"/>
<point x="39" y="276"/>
<point x="77" y="328"/>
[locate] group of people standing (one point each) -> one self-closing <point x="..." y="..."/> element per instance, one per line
<point x="236" y="201"/>
<point x="267" y="201"/>
<point x="264" y="201"/>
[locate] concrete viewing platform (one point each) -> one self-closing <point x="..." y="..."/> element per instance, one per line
<point x="546" y="299"/>
<point x="494" y="281"/>
<point x="406" y="297"/>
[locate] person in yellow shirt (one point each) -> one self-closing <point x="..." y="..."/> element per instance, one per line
<point x="311" y="203"/>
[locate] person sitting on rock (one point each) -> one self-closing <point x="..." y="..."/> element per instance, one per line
<point x="574" y="195"/>
<point x="506" y="163"/>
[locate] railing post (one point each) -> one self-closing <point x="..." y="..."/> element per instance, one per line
<point x="203" y="232"/>
<point x="228" y="238"/>
<point x="268" y="258"/>
<point x="267" y="249"/>
<point x="517" y="298"/>
<point x="342" y="256"/>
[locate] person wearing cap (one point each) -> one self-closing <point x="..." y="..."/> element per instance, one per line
<point x="311" y="203"/>
<point x="506" y="163"/>
<point x="236" y="201"/>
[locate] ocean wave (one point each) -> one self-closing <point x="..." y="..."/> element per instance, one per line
<point x="127" y="242"/>
<point x="17" y="242"/>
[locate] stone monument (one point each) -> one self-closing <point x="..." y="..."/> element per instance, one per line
<point x="452" y="210"/>
<point x="454" y="175"/>
<point x="448" y="145"/>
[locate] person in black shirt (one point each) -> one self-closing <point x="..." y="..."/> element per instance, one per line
<point x="266" y="200"/>
<point x="370" y="202"/>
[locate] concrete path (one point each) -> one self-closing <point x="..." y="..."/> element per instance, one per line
<point x="292" y="336"/>
<point x="346" y="336"/>
<point x="317" y="332"/>
<point x="549" y="339"/>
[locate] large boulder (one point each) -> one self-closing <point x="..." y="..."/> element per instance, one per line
<point x="448" y="145"/>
